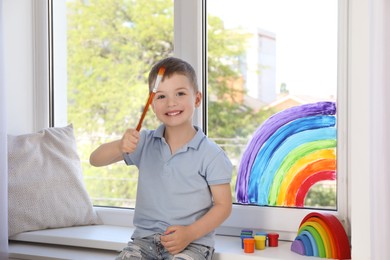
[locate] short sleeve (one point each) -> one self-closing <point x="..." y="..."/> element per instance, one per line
<point x="220" y="169"/>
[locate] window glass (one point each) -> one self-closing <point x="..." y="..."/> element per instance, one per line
<point x="268" y="61"/>
<point x="272" y="91"/>
<point x="111" y="46"/>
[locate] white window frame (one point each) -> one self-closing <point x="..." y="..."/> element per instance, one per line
<point x="189" y="45"/>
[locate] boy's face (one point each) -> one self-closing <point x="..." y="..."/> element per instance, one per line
<point x="175" y="101"/>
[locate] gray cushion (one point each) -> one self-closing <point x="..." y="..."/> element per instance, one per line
<point x="45" y="182"/>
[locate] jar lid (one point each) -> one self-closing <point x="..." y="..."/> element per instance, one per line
<point x="273" y="235"/>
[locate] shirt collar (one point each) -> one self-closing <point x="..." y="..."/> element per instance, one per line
<point x="195" y="141"/>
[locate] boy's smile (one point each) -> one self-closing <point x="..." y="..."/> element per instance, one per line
<point x="173" y="113"/>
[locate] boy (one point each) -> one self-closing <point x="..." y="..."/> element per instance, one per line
<point x="183" y="184"/>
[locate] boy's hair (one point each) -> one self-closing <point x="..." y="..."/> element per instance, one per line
<point x="172" y="66"/>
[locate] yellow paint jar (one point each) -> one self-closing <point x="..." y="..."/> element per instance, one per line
<point x="260" y="242"/>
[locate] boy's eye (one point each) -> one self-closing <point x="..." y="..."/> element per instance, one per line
<point x="160" y="97"/>
<point x="181" y="93"/>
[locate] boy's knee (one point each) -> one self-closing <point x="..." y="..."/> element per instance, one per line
<point x="131" y="252"/>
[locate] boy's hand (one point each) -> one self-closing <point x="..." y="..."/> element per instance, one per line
<point x="129" y="141"/>
<point x="176" y="238"/>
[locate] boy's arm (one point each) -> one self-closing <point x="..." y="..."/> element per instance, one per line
<point x="217" y="214"/>
<point x="112" y="152"/>
<point x="106" y="154"/>
<point x="178" y="237"/>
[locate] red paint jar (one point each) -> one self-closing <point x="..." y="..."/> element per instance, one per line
<point x="273" y="239"/>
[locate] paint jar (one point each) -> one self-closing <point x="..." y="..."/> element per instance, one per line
<point x="259" y="242"/>
<point x="242" y="239"/>
<point x="273" y="239"/>
<point x="249" y="245"/>
<point x="263" y="234"/>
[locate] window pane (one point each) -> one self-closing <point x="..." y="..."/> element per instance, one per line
<point x="111" y="46"/>
<point x="272" y="86"/>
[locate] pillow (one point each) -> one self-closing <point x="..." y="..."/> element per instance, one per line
<point x="45" y="182"/>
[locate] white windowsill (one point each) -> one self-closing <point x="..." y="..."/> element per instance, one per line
<point x="105" y="241"/>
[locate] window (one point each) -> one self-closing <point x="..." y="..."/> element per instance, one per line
<point x="110" y="46"/>
<point x="268" y="66"/>
<point x="268" y="61"/>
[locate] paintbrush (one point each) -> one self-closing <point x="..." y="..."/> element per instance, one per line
<point x="151" y="96"/>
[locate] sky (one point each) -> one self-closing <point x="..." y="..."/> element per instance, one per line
<point x="306" y="38"/>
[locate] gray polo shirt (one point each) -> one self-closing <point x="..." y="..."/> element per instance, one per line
<point x="174" y="189"/>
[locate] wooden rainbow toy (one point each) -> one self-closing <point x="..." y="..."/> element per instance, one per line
<point x="322" y="235"/>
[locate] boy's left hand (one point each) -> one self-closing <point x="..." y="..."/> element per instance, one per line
<point x="176" y="239"/>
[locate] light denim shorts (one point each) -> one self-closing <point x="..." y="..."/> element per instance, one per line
<point x="150" y="248"/>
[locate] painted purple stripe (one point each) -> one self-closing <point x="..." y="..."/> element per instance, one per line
<point x="265" y="131"/>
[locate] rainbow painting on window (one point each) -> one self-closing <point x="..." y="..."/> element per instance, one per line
<point x="289" y="153"/>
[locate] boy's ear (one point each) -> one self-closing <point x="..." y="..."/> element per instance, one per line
<point x="198" y="99"/>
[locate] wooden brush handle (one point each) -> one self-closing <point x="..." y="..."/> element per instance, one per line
<point x="150" y="99"/>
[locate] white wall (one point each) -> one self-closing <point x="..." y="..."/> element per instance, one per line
<point x="18" y="65"/>
<point x="20" y="96"/>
